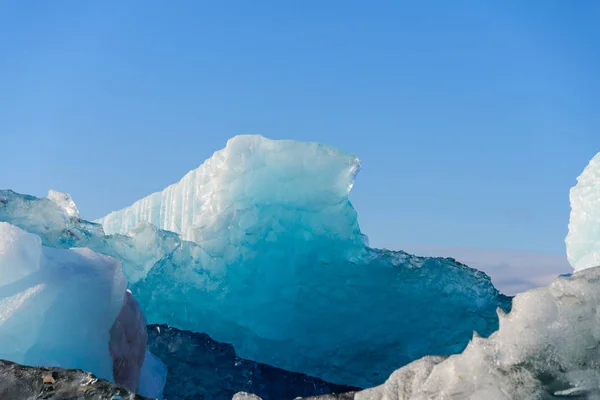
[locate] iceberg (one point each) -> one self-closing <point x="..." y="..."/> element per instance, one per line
<point x="546" y="348"/>
<point x="272" y="260"/>
<point x="57" y="306"/>
<point x="583" y="239"/>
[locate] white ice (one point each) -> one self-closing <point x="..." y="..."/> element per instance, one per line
<point x="56" y="306"/>
<point x="583" y="239"/>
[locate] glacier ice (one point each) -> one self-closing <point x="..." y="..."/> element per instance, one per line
<point x="547" y="347"/>
<point x="583" y="239"/>
<point x="58" y="228"/>
<point x="65" y="202"/>
<point x="69" y="308"/>
<point x="274" y="262"/>
<point x="56" y="306"/>
<point x="250" y="179"/>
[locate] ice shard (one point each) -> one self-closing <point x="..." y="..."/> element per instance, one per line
<point x="583" y="239"/>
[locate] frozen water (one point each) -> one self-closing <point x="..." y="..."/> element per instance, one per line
<point x="69" y="308"/>
<point x="276" y="265"/>
<point x="253" y="173"/>
<point x="333" y="320"/>
<point x="583" y="239"/>
<point x="137" y="251"/>
<point x="56" y="306"/>
<point x="65" y="202"/>
<point x="546" y="347"/>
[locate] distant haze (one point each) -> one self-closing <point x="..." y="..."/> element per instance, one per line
<point x="512" y="272"/>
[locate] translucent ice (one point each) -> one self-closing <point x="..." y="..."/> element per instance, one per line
<point x="253" y="173"/>
<point x="583" y="239"/>
<point x="546" y="348"/>
<point x="59" y="228"/>
<point x="69" y="308"/>
<point x="276" y="265"/>
<point x="56" y="306"/>
<point x="65" y="202"/>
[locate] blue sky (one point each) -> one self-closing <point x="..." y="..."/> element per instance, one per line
<point x="472" y="118"/>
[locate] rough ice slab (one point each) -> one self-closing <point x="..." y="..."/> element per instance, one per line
<point x="58" y="308"/>
<point x="251" y="172"/>
<point x="546" y="348"/>
<point x="69" y="308"/>
<point x="137" y="251"/>
<point x="583" y="239"/>
<point x="65" y="202"/>
<point x="278" y="266"/>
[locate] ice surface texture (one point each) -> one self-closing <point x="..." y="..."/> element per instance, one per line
<point x="583" y="239"/>
<point x="59" y="228"/>
<point x="547" y="347"/>
<point x="276" y="265"/>
<point x="65" y="202"/>
<point x="69" y="308"/>
<point x="56" y="306"/>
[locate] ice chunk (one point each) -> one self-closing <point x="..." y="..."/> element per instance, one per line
<point x="253" y="178"/>
<point x="245" y="396"/>
<point x="277" y="265"/>
<point x="137" y="251"/>
<point x="332" y="320"/>
<point x="583" y="239"/>
<point x="65" y="202"/>
<point x="20" y="254"/>
<point x="546" y="347"/>
<point x="58" y="309"/>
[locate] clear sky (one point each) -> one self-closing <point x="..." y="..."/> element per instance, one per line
<point x="472" y="118"/>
